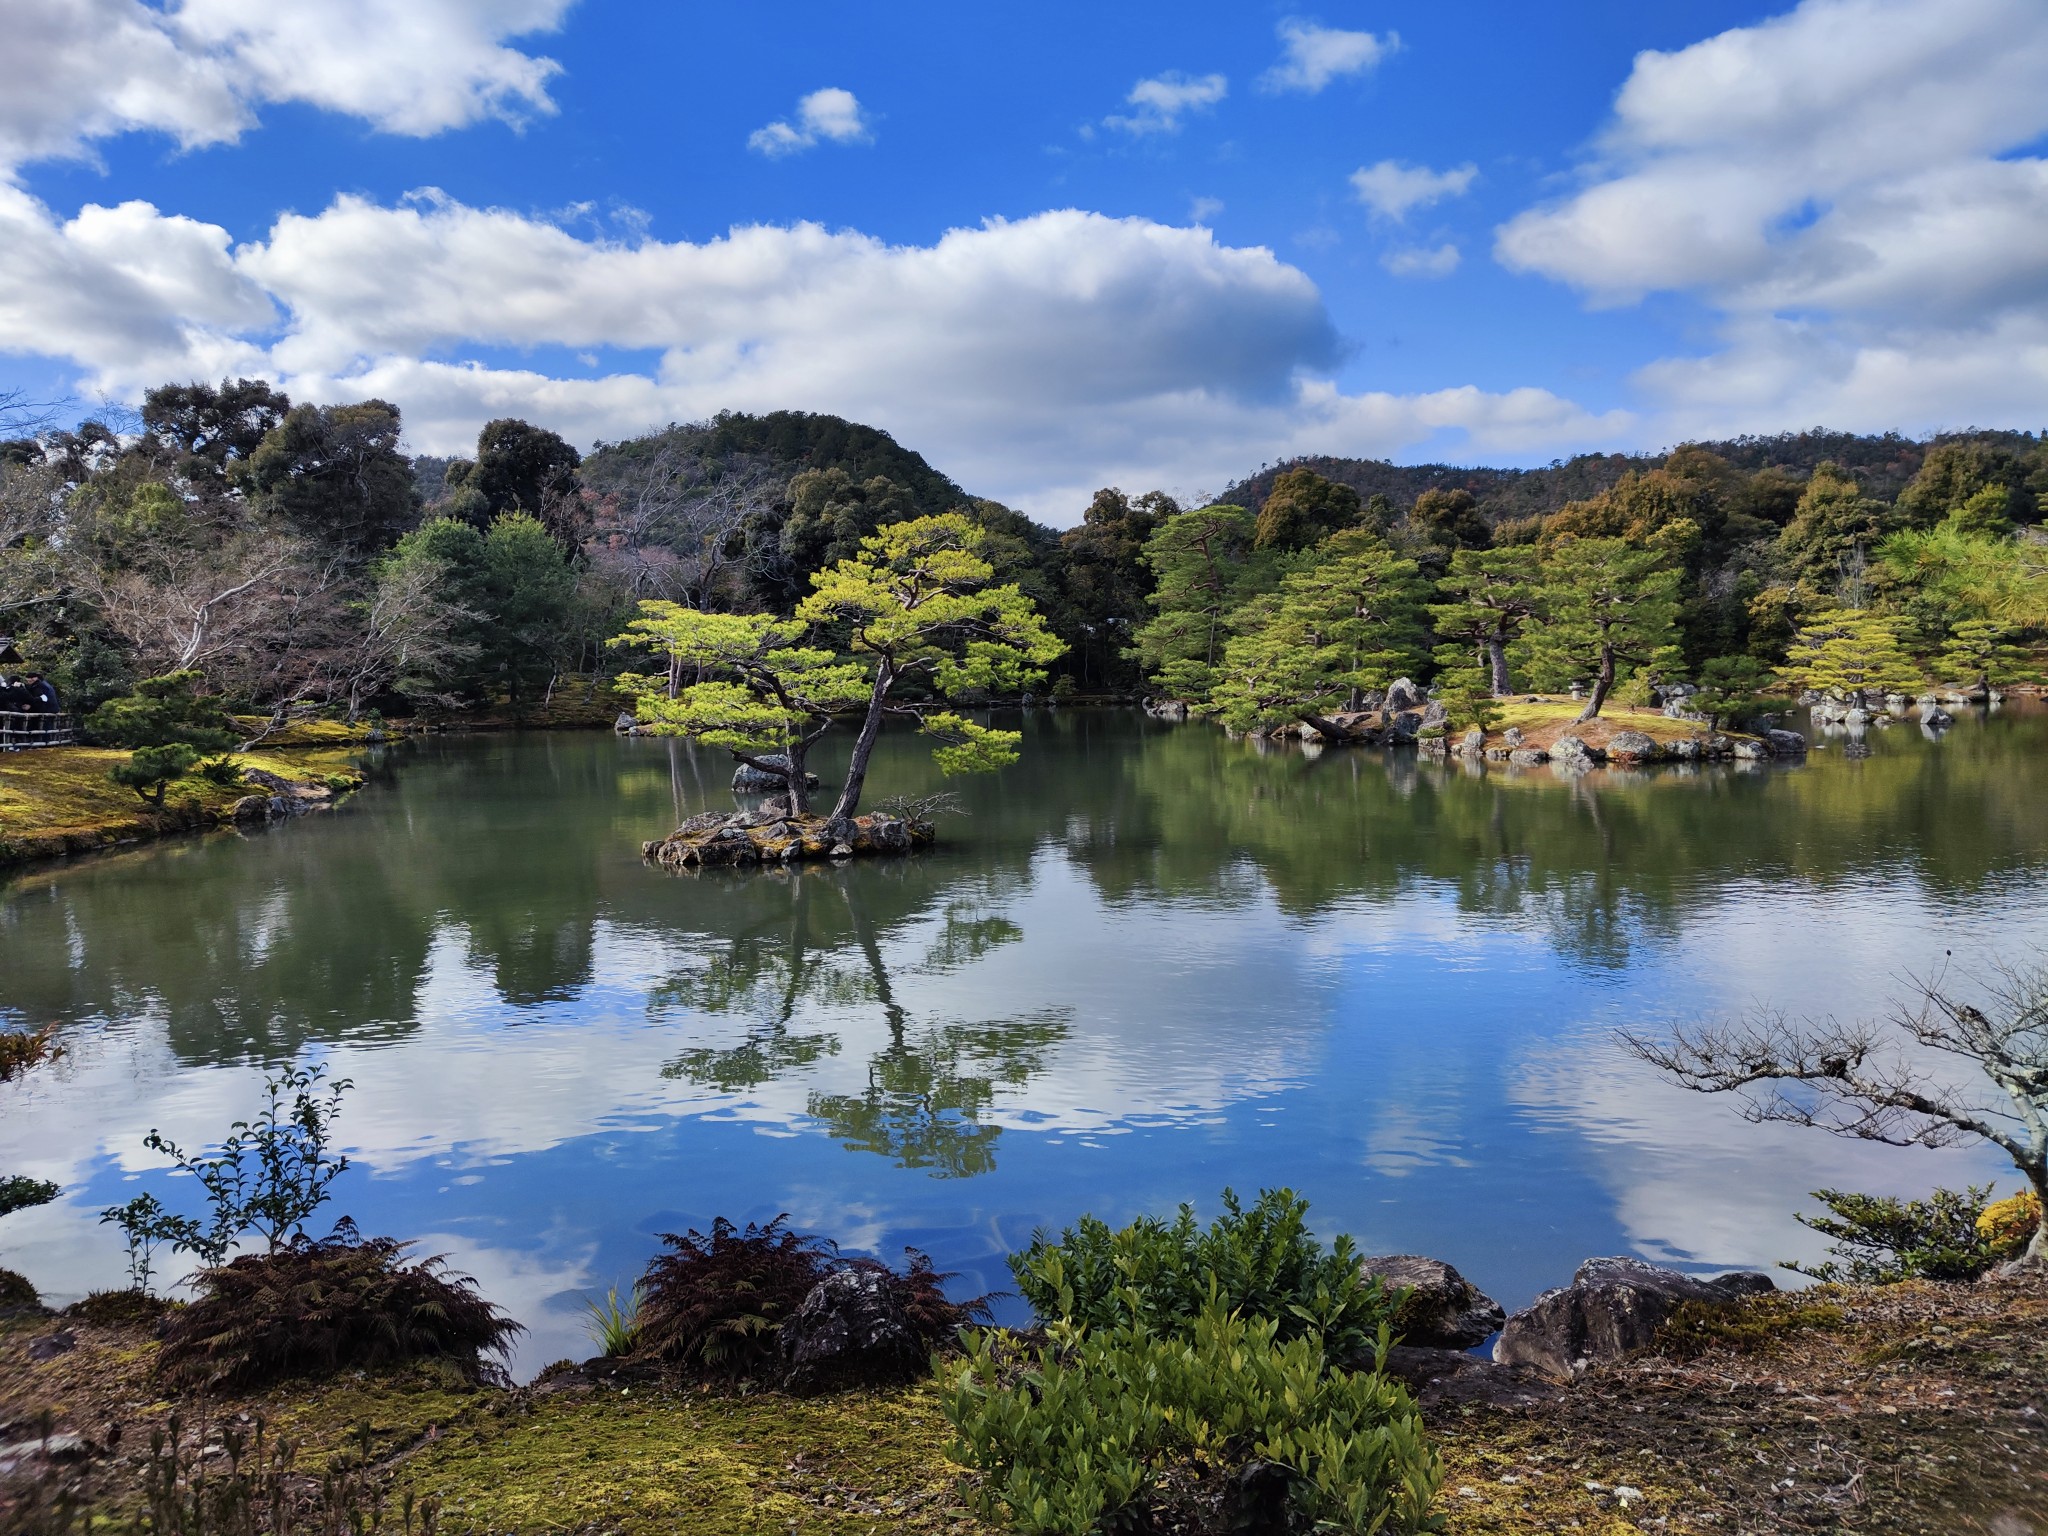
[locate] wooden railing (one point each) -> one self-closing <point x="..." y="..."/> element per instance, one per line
<point x="20" y="731"/>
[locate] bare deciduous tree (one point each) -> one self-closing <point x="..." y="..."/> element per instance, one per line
<point x="672" y="523"/>
<point x="1882" y="1080"/>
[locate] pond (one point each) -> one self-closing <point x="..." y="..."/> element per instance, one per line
<point x="1146" y="963"/>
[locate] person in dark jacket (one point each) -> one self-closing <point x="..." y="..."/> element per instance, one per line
<point x="39" y="698"/>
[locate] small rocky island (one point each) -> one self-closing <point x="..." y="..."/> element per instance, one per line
<point x="772" y="836"/>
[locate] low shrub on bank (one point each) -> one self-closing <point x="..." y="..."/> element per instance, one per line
<point x="316" y="1306"/>
<point x="1219" y="1425"/>
<point x="1262" y="1261"/>
<point x="1879" y="1240"/>
<point x="716" y="1302"/>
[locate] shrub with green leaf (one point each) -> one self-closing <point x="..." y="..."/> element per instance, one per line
<point x="614" y="1324"/>
<point x="316" y="1306"/>
<point x="1879" y="1240"/>
<point x="1126" y="1427"/>
<point x="1262" y="1262"/>
<point x="162" y="712"/>
<point x="151" y="771"/>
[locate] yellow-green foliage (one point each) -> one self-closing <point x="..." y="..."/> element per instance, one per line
<point x="644" y="1459"/>
<point x="2007" y="1226"/>
<point x="1745" y="1325"/>
<point x="61" y="799"/>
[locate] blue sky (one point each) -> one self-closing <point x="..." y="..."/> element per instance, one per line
<point x="1050" y="246"/>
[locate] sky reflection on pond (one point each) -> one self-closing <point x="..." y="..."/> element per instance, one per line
<point x="1150" y="962"/>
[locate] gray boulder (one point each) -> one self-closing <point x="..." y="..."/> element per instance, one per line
<point x="1786" y="743"/>
<point x="624" y="725"/>
<point x="749" y="780"/>
<point x="1442" y="1310"/>
<point x="1754" y="751"/>
<point x="1575" y="753"/>
<point x="1611" y="1307"/>
<point x="1402" y="727"/>
<point x="1687" y="749"/>
<point x="1512" y="735"/>
<point x="1402" y="694"/>
<point x="1634" y="747"/>
<point x="1434" y="713"/>
<point x="1473" y="743"/>
<point x="852" y="1329"/>
<point x="1528" y="757"/>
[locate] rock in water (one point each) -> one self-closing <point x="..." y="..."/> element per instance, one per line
<point x="1786" y="743"/>
<point x="851" y="1330"/>
<point x="1443" y="1310"/>
<point x="749" y="780"/>
<point x="1611" y="1307"/>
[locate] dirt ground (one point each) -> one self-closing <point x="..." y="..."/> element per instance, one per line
<point x="1899" y="1410"/>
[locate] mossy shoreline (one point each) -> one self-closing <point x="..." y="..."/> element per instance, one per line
<point x="1904" y="1409"/>
<point x="58" y="802"/>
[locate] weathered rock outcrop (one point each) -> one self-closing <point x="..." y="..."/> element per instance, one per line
<point x="749" y="780"/>
<point x="1634" y="747"/>
<point x="1611" y="1307"/>
<point x="1442" y="1310"/>
<point x="852" y="1329"/>
<point x="1786" y="743"/>
<point x="768" y="836"/>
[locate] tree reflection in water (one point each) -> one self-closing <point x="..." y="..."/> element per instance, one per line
<point x="934" y="1081"/>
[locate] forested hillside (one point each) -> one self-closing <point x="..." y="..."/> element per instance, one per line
<point x="297" y="559"/>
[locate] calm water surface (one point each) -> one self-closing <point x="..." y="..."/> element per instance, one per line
<point x="1150" y="962"/>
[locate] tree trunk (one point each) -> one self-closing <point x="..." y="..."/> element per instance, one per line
<point x="1329" y="730"/>
<point x="1497" y="658"/>
<point x="2036" y="1256"/>
<point x="863" y="749"/>
<point x="1601" y="685"/>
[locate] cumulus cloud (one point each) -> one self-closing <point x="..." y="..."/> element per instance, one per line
<point x="1163" y="100"/>
<point x="198" y="71"/>
<point x="830" y="114"/>
<point x="1033" y="359"/>
<point x="1850" y="185"/>
<point x="1311" y="56"/>
<point x="1393" y="190"/>
<point x="1422" y="260"/>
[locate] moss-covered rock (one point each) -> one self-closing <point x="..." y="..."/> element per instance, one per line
<point x="714" y="839"/>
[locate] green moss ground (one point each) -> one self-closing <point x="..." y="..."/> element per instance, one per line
<point x="1544" y="721"/>
<point x="59" y="800"/>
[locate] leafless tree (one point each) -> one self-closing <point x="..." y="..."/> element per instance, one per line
<point x="185" y="604"/>
<point x="405" y="634"/>
<point x="31" y="561"/>
<point x="671" y="523"/>
<point x="1882" y="1080"/>
<point x="23" y="416"/>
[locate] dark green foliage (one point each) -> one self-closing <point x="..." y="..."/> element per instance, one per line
<point x="18" y="1192"/>
<point x="1879" y="1239"/>
<point x="1107" y="582"/>
<point x="317" y="1306"/>
<point x="523" y="468"/>
<point x="1132" y="1428"/>
<point x="1303" y="508"/>
<point x="16" y="1291"/>
<point x="1449" y="519"/>
<point x="150" y="771"/>
<point x="1733" y="689"/>
<point x="335" y="474"/>
<point x="512" y="590"/>
<point x="119" y="1309"/>
<point x="224" y="771"/>
<point x="164" y="711"/>
<point x="714" y="1301"/>
<point x="201" y="432"/>
<point x="1262" y="1262"/>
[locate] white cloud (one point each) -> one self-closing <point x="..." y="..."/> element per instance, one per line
<point x="1394" y="190"/>
<point x="1422" y="260"/>
<point x="89" y="69"/>
<point x="1203" y="209"/>
<point x="1312" y="56"/>
<point x="1849" y="185"/>
<point x="1032" y="359"/>
<point x="1164" y="100"/>
<point x="831" y="113"/>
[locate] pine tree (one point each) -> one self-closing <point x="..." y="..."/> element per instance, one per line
<point x="1490" y="595"/>
<point x="1608" y="607"/>
<point x="1348" y="622"/>
<point x="1846" y="652"/>
<point x="1981" y="652"/>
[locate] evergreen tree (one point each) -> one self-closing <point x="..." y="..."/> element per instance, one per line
<point x="1349" y="622"/>
<point x="1608" y="608"/>
<point x="1302" y="509"/>
<point x="1490" y="594"/>
<point x="1846" y="652"/>
<point x="1203" y="569"/>
<point x="1981" y="653"/>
